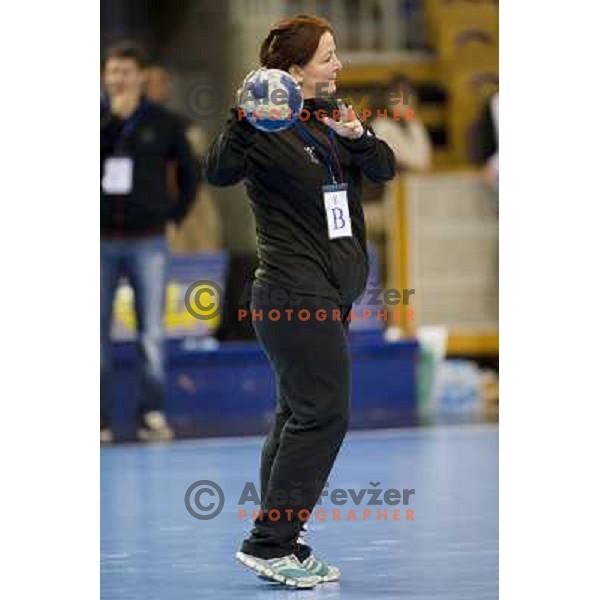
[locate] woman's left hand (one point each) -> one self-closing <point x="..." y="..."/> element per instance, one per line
<point x="348" y="126"/>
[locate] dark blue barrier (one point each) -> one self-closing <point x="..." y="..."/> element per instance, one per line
<point x="231" y="391"/>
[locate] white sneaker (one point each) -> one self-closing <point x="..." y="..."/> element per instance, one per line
<point x="286" y="570"/>
<point x="155" y="428"/>
<point x="319" y="568"/>
<point x="106" y="436"/>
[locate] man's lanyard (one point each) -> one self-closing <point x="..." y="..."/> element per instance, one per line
<point x="331" y="160"/>
<point x="129" y="124"/>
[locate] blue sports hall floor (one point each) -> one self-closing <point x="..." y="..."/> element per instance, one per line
<point x="153" y="549"/>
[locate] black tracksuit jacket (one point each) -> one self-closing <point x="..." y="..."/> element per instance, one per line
<point x="156" y="139"/>
<point x="284" y="184"/>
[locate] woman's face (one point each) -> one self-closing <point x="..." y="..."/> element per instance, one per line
<point x="317" y="77"/>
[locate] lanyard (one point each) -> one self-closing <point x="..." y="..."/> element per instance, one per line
<point x="331" y="159"/>
<point x="130" y="123"/>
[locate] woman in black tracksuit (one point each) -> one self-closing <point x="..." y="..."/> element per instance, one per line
<point x="308" y="260"/>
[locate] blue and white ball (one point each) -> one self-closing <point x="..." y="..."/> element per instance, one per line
<point x="271" y="99"/>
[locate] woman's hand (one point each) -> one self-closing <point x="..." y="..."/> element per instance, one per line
<point x="348" y="126"/>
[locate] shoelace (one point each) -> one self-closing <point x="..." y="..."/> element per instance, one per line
<point x="286" y="561"/>
<point x="311" y="562"/>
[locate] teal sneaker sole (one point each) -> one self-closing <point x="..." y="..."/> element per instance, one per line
<point x="264" y="571"/>
<point x="333" y="574"/>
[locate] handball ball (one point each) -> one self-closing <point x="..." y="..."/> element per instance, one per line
<point x="271" y="99"/>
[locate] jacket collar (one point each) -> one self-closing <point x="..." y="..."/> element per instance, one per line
<point x="327" y="104"/>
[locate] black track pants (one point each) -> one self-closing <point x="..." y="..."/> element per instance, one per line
<point x="311" y="361"/>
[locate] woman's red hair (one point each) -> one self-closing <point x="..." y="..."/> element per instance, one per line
<point x="293" y="41"/>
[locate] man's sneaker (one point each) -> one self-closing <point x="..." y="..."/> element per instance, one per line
<point x="154" y="428"/>
<point x="319" y="568"/>
<point x="286" y="570"/>
<point x="106" y="435"/>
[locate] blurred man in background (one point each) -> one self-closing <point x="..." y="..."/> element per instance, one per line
<point x="200" y="230"/>
<point x="139" y="141"/>
<point x="158" y="89"/>
<point x="219" y="219"/>
<point x="404" y="132"/>
<point x="489" y="142"/>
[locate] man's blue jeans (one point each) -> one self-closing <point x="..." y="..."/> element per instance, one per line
<point x="143" y="262"/>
